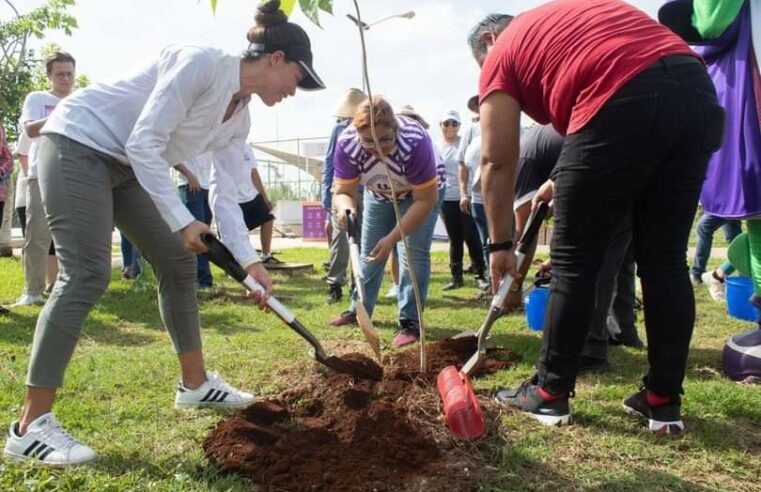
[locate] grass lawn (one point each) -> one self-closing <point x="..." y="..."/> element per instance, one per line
<point x="120" y="387"/>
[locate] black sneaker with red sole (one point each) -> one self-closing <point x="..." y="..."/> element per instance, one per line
<point x="526" y="398"/>
<point x="661" y="419"/>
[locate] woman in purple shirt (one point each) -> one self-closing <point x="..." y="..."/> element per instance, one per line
<point x="419" y="184"/>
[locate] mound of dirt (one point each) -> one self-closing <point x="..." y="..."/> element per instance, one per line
<point x="336" y="432"/>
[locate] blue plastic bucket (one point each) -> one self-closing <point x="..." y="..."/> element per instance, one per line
<point x="739" y="290"/>
<point x="536" y="303"/>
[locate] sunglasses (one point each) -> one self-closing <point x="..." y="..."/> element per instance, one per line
<point x="451" y="123"/>
<point x="386" y="141"/>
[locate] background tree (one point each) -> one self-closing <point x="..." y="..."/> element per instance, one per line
<point x="311" y="8"/>
<point x="19" y="67"/>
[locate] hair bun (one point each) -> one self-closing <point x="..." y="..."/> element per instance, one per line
<point x="269" y="14"/>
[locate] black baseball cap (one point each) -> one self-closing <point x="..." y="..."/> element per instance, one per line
<point x="294" y="42"/>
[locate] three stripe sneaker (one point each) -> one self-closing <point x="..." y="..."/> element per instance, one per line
<point x="45" y="442"/>
<point x="214" y="393"/>
<point x="662" y="412"/>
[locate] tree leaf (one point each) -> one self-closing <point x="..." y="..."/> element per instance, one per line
<point x="311" y="9"/>
<point x="287" y="6"/>
<point x="326" y="6"/>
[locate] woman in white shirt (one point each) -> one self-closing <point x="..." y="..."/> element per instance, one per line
<point x="105" y="155"/>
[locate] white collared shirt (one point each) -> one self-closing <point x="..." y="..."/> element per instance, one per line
<point x="165" y="114"/>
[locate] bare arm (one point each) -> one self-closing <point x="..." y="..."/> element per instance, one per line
<point x="345" y="198"/>
<point x="464" y="195"/>
<point x="500" y="133"/>
<point x="256" y="180"/>
<point x="193" y="183"/>
<point x="24" y="160"/>
<point x="32" y="128"/>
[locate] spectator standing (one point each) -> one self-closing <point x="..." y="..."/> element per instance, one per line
<point x="194" y="177"/>
<point x="338" y="260"/>
<point x="39" y="252"/>
<point x="460" y="226"/>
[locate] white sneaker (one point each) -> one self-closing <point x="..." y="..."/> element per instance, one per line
<point x="393" y="292"/>
<point x="46" y="443"/>
<point x="215" y="392"/>
<point x="715" y="286"/>
<point x="27" y="300"/>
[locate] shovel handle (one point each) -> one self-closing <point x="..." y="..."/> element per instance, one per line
<point x="224" y="259"/>
<point x="352" y="227"/>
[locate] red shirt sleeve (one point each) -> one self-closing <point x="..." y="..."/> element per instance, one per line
<point x="498" y="74"/>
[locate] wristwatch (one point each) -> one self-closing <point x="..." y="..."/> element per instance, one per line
<point x="493" y="247"/>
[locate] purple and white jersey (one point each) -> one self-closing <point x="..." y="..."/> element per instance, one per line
<point x="412" y="164"/>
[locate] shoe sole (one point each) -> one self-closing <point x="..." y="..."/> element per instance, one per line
<point x="19" y="458"/>
<point x="552" y="420"/>
<point x="199" y="405"/>
<point x="656" y="426"/>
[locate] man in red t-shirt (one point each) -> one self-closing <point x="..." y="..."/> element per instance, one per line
<point x="641" y="120"/>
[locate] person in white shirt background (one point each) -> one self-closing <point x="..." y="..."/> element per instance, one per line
<point x="19" y="199"/>
<point x="256" y="206"/>
<point x="111" y="146"/>
<point x="38" y="251"/>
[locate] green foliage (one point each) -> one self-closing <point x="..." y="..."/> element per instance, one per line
<point x="311" y="8"/>
<point x="17" y="63"/>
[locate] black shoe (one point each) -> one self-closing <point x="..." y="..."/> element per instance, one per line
<point x="592" y="365"/>
<point x="662" y="419"/>
<point x="334" y="293"/>
<point x="455" y="283"/>
<point x="482" y="283"/>
<point x="636" y="343"/>
<point x="4" y="310"/>
<point x="526" y="398"/>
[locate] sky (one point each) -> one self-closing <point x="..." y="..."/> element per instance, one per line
<point x="423" y="61"/>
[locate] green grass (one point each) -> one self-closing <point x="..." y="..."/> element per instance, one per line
<point x="120" y="384"/>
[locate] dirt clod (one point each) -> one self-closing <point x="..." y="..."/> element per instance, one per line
<point x="338" y="432"/>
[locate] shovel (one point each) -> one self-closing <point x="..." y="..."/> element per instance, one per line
<point x="463" y="413"/>
<point x="221" y="256"/>
<point x="365" y="323"/>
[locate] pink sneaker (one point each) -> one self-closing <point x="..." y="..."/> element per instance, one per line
<point x="409" y="332"/>
<point x="345" y="318"/>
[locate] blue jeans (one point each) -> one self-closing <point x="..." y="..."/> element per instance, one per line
<point x="198" y="205"/>
<point x="707" y="225"/>
<point x="479" y="216"/>
<point x="130" y="256"/>
<point x="377" y="221"/>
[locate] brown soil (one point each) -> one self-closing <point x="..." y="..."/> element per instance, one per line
<point x="336" y="432"/>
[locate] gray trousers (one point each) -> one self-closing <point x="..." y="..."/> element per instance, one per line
<point x="611" y="303"/>
<point x="339" y="254"/>
<point x="86" y="193"/>
<point x="339" y="250"/>
<point x="36" y="241"/>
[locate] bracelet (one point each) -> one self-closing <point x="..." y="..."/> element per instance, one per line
<point x="493" y="247"/>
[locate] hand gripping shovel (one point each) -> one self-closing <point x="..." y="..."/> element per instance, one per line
<point x="221" y="256"/>
<point x="463" y="413"/>
<point x="365" y="323"/>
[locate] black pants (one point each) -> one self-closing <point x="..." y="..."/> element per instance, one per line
<point x="644" y="155"/>
<point x="21" y="212"/>
<point x="608" y="297"/>
<point x="461" y="227"/>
